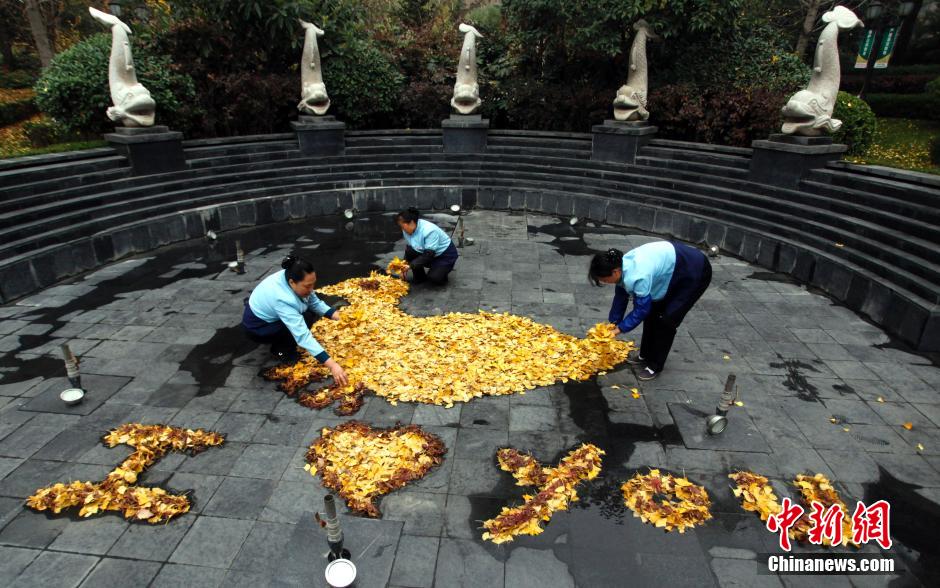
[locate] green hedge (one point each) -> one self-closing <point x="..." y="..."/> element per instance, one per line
<point x="922" y="106"/>
<point x="858" y="123"/>
<point x="13" y="112"/>
<point x="17" y="78"/>
<point x="74" y="88"/>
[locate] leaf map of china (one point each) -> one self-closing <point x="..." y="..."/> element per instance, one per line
<point x="118" y="491"/>
<point x="444" y="359"/>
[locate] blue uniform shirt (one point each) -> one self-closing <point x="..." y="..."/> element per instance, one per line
<point x="273" y="300"/>
<point x="647" y="271"/>
<point x="428" y="237"/>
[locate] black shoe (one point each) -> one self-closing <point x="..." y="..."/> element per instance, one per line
<point x="633" y="358"/>
<point x="646" y="374"/>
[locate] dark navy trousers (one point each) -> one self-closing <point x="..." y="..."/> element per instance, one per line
<point x="690" y="278"/>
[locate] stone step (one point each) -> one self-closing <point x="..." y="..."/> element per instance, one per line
<point x="711" y="158"/>
<point x="888" y="173"/>
<point x="693" y="166"/>
<point x="64" y="202"/>
<point x="59" y="169"/>
<point x="392" y="149"/>
<point x="83" y="220"/>
<point x="18" y="196"/>
<point x="904" y="191"/>
<point x="386" y="140"/>
<point x="213" y="151"/>
<point x="541" y="151"/>
<point x="538" y="143"/>
<point x="703" y="147"/>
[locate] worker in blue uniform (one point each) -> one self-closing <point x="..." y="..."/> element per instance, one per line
<point x="430" y="251"/>
<point x="281" y="309"/>
<point x="665" y="279"/>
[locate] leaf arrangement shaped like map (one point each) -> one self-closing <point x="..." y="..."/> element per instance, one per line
<point x="444" y="359"/>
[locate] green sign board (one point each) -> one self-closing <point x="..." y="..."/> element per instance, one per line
<point x="864" y="49"/>
<point x="886" y="47"/>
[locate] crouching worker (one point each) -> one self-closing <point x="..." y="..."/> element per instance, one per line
<point x="280" y="311"/>
<point x="665" y="279"/>
<point x="430" y="252"/>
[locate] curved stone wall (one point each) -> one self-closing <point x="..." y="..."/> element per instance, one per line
<point x="867" y="236"/>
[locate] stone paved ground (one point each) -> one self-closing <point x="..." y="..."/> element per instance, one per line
<point x="159" y="342"/>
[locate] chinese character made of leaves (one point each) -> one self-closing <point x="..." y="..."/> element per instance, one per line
<point x="361" y="463"/>
<point x="666" y="501"/>
<point x="555" y="490"/>
<point x="118" y="491"/>
<point x="792" y="521"/>
<point x="444" y="359"/>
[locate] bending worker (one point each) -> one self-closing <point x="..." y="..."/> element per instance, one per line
<point x="429" y="248"/>
<point x="279" y="312"/>
<point x="665" y="279"/>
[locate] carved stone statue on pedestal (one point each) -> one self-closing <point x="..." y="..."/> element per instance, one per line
<point x="133" y="104"/>
<point x="466" y="98"/>
<point x="808" y="113"/>
<point x="630" y="103"/>
<point x="313" y="96"/>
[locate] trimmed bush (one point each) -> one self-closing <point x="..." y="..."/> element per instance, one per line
<point x="933" y="87"/>
<point x="922" y="106"/>
<point x="17" y="78"/>
<point x="732" y="116"/>
<point x="45" y="132"/>
<point x="858" y="123"/>
<point x="74" y="88"/>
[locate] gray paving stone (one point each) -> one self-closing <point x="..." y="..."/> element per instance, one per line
<point x="98" y="389"/>
<point x="60" y="569"/>
<point x="176" y="575"/>
<point x="421" y="512"/>
<point x="263" y="548"/>
<point x="242" y="498"/>
<point x="467" y="563"/>
<point x="112" y="572"/>
<point x="430" y="414"/>
<point x="212" y="542"/>
<point x="262" y="461"/>
<point x="414" y="561"/>
<point x="94" y="535"/>
<point x="216" y="461"/>
<point x="480" y="444"/>
<point x="14" y="560"/>
<point x="290" y="499"/>
<point x="536" y="568"/>
<point x="239" y="426"/>
<point x="532" y="418"/>
<point x="30" y="475"/>
<point x="743" y="573"/>
<point x="199" y="488"/>
<point x="283" y="431"/>
<point x="152" y="542"/>
<point x="490" y="413"/>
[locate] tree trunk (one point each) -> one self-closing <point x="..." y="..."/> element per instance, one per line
<point x="809" y="23"/>
<point x="37" y="27"/>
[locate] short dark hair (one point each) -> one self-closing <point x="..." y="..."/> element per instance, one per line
<point x="604" y="264"/>
<point x="409" y="216"/>
<point x="296" y="268"/>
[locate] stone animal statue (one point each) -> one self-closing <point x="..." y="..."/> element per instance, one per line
<point x="630" y="103"/>
<point x="313" y="96"/>
<point x="466" y="98"/>
<point x="133" y="104"/>
<point x="809" y="111"/>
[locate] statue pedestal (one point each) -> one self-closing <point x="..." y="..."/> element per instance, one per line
<point x="782" y="160"/>
<point x="465" y="133"/>
<point x="320" y="135"/>
<point x="150" y="150"/>
<point x="620" y="141"/>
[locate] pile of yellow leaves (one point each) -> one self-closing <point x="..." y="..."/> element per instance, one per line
<point x="361" y="463"/>
<point x="442" y="359"/>
<point x="667" y="501"/>
<point x="397" y="267"/>
<point x="117" y="491"/>
<point x="758" y="496"/>
<point x="602" y="331"/>
<point x="556" y="489"/>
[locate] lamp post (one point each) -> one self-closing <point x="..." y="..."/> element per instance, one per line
<point x="876" y="19"/>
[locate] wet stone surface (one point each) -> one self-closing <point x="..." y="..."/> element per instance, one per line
<point x="159" y="340"/>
